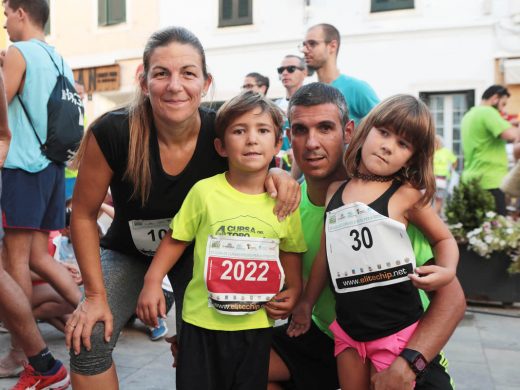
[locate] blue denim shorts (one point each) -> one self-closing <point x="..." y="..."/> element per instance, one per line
<point x="34" y="200"/>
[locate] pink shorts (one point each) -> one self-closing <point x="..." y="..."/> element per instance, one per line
<point x="381" y="352"/>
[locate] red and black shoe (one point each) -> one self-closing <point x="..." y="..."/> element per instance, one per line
<point x="57" y="378"/>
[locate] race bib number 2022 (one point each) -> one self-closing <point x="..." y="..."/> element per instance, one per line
<point x="242" y="273"/>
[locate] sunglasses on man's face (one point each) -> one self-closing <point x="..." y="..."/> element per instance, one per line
<point x="290" y="69"/>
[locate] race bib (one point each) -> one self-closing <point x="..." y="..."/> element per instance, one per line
<point x="147" y="234"/>
<point x="366" y="249"/>
<point x="242" y="273"/>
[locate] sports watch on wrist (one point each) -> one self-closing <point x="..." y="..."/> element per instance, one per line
<point x="416" y="361"/>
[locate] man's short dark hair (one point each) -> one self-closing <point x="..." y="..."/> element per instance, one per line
<point x="330" y="33"/>
<point x="260" y="80"/>
<point x="495" y="90"/>
<point x="38" y="10"/>
<point x="317" y="93"/>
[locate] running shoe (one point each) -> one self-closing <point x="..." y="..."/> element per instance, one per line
<point x="3" y="329"/>
<point x="160" y="331"/>
<point x="57" y="378"/>
<point x="11" y="365"/>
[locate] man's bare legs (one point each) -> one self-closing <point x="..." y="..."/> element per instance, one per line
<point x="16" y="313"/>
<point x="17" y="251"/>
<point x="28" y="249"/>
<point x="278" y="371"/>
<point x="49" y="270"/>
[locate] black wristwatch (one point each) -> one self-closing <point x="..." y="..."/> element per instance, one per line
<point x="416" y="361"/>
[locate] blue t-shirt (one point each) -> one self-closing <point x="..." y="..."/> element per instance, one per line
<point x="360" y="96"/>
<point x="40" y="79"/>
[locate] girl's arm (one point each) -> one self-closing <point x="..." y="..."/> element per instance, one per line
<point x="283" y="303"/>
<point x="446" y="251"/>
<point x="90" y="190"/>
<point x="151" y="302"/>
<point x="301" y="318"/>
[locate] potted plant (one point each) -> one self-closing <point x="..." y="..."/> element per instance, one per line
<point x="489" y="266"/>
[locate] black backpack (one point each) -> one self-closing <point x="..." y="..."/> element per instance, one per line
<point x="65" y="115"/>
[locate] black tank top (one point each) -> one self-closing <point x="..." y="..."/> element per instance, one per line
<point x="377" y="312"/>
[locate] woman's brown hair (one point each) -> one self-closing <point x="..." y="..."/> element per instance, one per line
<point x="411" y="119"/>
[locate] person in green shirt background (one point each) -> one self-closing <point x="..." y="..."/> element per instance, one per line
<point x="484" y="136"/>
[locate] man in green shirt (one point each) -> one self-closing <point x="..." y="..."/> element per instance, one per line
<point x="484" y="137"/>
<point x="320" y="128"/>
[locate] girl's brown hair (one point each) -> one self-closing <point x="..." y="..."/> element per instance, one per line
<point x="411" y="119"/>
<point x="141" y="114"/>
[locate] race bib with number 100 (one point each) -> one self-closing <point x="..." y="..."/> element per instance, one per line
<point x="242" y="273"/>
<point x="148" y="233"/>
<point x="366" y="249"/>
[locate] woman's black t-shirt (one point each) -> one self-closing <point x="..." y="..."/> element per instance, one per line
<point x="137" y="229"/>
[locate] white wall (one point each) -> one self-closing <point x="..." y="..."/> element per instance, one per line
<point x="439" y="45"/>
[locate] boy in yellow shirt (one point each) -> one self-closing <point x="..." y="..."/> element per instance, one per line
<point x="243" y="257"/>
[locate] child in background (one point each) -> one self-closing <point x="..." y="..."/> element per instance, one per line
<point x="369" y="255"/>
<point x="242" y="256"/>
<point x="444" y="163"/>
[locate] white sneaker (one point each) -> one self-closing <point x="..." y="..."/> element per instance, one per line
<point x="3" y="329"/>
<point x="11" y="365"/>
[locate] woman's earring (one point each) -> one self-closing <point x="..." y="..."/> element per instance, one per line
<point x="203" y="94"/>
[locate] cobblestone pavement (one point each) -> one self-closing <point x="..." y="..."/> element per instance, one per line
<point x="484" y="353"/>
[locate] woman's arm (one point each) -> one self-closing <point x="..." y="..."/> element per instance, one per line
<point x="301" y="319"/>
<point x="90" y="190"/>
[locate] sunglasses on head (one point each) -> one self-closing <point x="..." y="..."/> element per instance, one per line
<point x="290" y="69"/>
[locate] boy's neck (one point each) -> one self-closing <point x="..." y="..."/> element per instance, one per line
<point x="251" y="183"/>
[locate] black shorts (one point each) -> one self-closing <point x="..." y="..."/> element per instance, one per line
<point x="223" y="360"/>
<point x="311" y="363"/>
<point x="436" y="377"/>
<point x="309" y="358"/>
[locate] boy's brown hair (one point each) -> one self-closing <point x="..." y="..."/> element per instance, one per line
<point x="38" y="10"/>
<point x="245" y="102"/>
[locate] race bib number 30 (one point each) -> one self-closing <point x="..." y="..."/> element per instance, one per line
<point x="147" y="234"/>
<point x="242" y="273"/>
<point x="366" y="249"/>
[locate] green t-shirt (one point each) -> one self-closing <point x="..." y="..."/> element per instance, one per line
<point x="443" y="161"/>
<point x="323" y="313"/>
<point x="214" y="207"/>
<point x="484" y="151"/>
